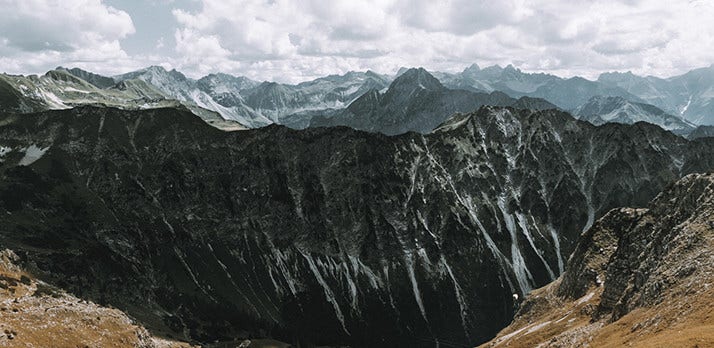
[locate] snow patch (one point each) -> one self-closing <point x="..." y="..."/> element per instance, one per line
<point x="4" y="151"/>
<point x="72" y="89"/>
<point x="520" y="269"/>
<point x="326" y="289"/>
<point x="32" y="154"/>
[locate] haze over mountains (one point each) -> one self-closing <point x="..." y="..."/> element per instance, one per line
<point x="412" y="100"/>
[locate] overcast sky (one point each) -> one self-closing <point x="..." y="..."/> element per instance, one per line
<point x="295" y="40"/>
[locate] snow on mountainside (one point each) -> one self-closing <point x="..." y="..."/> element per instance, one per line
<point x="65" y="88"/>
<point x="176" y="85"/>
<point x="279" y="101"/>
<point x="221" y="98"/>
<point x="259" y="104"/>
<point x="217" y="98"/>
<point x="599" y="110"/>
<point x="59" y="89"/>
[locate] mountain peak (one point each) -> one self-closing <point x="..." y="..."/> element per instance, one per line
<point x="473" y="68"/>
<point x="155" y="68"/>
<point x="416" y="78"/>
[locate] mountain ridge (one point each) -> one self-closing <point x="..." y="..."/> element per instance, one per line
<point x="380" y="237"/>
<point x="599" y="110"/>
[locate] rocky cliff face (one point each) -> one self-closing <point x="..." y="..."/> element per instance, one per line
<point x="638" y="277"/>
<point x="327" y="235"/>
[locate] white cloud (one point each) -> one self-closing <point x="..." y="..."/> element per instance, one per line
<point x="294" y="40"/>
<point x="37" y="34"/>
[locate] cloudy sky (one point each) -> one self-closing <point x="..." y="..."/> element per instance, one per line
<point x="295" y="40"/>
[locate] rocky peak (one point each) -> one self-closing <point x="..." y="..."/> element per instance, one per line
<point x="415" y="79"/>
<point x="366" y="103"/>
<point x="491" y="72"/>
<point x="95" y="79"/>
<point x="471" y="69"/>
<point x="65" y="76"/>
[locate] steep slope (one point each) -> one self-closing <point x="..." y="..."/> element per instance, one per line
<point x="638" y="278"/>
<point x="599" y="110"/>
<point x="415" y="101"/>
<point x="379" y="241"/>
<point x="36" y="314"/>
<point x="690" y="95"/>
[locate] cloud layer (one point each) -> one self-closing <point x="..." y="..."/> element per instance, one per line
<point x="290" y="40"/>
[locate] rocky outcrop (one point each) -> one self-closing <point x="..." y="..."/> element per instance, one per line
<point x="327" y="235"/>
<point x="638" y="277"/>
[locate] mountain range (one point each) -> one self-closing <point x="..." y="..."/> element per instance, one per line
<point x="416" y="101"/>
<point x="412" y="100"/>
<point x="599" y="110"/>
<point x="322" y="236"/>
<point x="690" y="95"/>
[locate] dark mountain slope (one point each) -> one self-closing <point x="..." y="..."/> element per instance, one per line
<point x="327" y="235"/>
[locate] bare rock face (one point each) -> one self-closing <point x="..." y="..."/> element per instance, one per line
<point x="641" y="277"/>
<point x="322" y="236"/>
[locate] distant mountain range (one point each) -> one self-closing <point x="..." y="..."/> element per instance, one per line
<point x="690" y="95"/>
<point x="412" y="100"/>
<point x="417" y="101"/>
<point x="599" y="110"/>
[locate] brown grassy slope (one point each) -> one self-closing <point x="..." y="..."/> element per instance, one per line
<point x="34" y="314"/>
